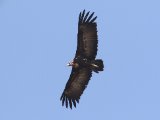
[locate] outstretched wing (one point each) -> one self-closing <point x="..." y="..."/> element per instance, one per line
<point x="87" y="39"/>
<point x="75" y="86"/>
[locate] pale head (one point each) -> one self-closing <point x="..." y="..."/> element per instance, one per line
<point x="73" y="64"/>
<point x="70" y="63"/>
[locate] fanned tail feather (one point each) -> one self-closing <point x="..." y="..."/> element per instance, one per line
<point x="97" y="65"/>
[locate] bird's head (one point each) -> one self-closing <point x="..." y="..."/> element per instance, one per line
<point x="73" y="64"/>
<point x="70" y="63"/>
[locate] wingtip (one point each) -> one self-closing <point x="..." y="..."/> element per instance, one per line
<point x="68" y="102"/>
<point x="93" y="20"/>
<point x="77" y="100"/>
<point x="61" y="96"/>
<point x="74" y="102"/>
<point x="86" y="18"/>
<point x="63" y="100"/>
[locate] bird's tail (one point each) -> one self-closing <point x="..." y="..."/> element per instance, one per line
<point x="97" y="65"/>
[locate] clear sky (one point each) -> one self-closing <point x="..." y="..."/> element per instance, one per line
<point x="38" y="38"/>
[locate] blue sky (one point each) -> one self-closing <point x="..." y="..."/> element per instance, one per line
<point x="38" y="38"/>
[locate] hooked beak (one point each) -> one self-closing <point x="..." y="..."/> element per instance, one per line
<point x="68" y="64"/>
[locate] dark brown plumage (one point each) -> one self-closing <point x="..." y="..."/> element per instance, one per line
<point x="84" y="62"/>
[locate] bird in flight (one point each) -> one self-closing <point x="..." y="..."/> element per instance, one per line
<point x="84" y="61"/>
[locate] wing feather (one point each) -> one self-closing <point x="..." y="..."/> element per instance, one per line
<point x="70" y="103"/>
<point x="89" y="18"/>
<point x="84" y="20"/>
<point x="75" y="86"/>
<point x="63" y="100"/>
<point x="81" y="18"/>
<point x="87" y="39"/>
<point x="74" y="102"/>
<point x="93" y="19"/>
<point x="66" y="100"/>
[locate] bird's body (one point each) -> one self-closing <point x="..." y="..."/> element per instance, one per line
<point x="84" y="62"/>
